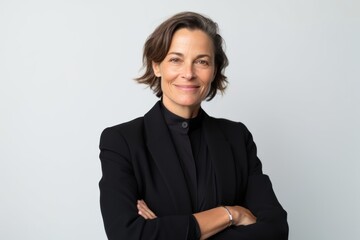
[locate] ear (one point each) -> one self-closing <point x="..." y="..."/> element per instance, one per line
<point x="156" y="68"/>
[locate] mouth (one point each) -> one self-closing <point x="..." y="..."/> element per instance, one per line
<point x="187" y="87"/>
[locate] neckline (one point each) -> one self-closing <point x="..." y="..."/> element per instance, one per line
<point x="180" y="123"/>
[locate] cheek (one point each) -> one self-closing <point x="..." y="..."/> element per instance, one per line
<point x="165" y="84"/>
<point x="208" y="89"/>
<point x="168" y="75"/>
<point x="209" y="82"/>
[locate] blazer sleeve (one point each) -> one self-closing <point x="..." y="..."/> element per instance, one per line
<point x="119" y="194"/>
<point x="261" y="200"/>
<point x="271" y="217"/>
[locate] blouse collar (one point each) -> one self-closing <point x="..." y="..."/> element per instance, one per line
<point x="181" y="124"/>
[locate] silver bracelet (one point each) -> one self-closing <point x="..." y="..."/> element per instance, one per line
<point x="230" y="216"/>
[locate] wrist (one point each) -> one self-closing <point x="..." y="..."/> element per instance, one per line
<point x="235" y="214"/>
<point x="230" y="216"/>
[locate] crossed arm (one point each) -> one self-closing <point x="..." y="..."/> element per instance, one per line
<point x="122" y="220"/>
<point x="210" y="221"/>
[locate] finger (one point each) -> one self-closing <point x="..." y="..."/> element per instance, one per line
<point x="149" y="213"/>
<point x="142" y="214"/>
<point x="145" y="211"/>
<point x="142" y="210"/>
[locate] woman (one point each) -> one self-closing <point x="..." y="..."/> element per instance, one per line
<point x="177" y="173"/>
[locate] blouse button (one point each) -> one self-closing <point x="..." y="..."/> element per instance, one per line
<point x="184" y="124"/>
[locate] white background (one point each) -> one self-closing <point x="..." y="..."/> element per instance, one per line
<point x="66" y="70"/>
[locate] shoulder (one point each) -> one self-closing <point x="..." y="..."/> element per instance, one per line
<point x="131" y="132"/>
<point x="233" y="132"/>
<point x="229" y="127"/>
<point x="123" y="131"/>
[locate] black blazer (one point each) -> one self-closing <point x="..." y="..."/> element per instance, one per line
<point x="139" y="161"/>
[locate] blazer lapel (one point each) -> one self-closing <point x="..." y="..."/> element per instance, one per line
<point x="220" y="154"/>
<point x="161" y="147"/>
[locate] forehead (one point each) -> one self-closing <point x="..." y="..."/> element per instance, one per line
<point x="191" y="39"/>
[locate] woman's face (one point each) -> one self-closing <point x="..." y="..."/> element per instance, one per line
<point x="187" y="70"/>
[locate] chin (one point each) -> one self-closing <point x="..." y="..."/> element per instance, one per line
<point x="190" y="103"/>
<point x="186" y="100"/>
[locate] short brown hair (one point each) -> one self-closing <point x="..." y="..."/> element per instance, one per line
<point x="158" y="43"/>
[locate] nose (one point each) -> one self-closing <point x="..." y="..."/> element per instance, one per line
<point x="188" y="71"/>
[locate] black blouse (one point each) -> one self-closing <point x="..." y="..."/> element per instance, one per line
<point x="192" y="151"/>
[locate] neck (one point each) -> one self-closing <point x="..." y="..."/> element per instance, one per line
<point x="186" y="112"/>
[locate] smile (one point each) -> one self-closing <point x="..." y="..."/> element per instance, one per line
<point x="187" y="87"/>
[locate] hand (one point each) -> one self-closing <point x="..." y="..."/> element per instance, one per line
<point x="144" y="210"/>
<point x="241" y="216"/>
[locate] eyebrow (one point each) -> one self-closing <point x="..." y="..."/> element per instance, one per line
<point x="181" y="55"/>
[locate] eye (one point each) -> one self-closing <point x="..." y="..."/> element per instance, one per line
<point x="175" y="60"/>
<point x="202" y="62"/>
